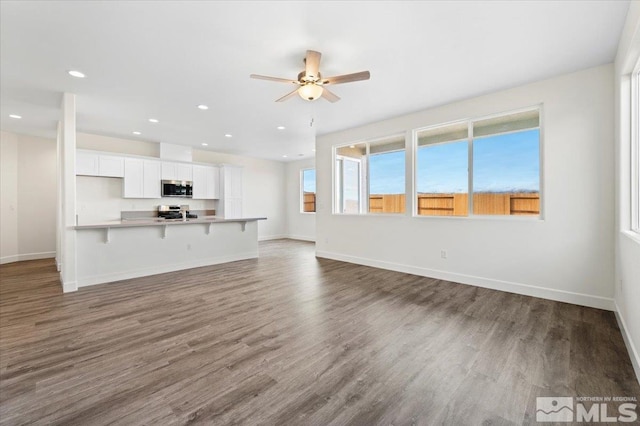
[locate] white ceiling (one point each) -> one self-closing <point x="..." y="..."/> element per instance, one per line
<point x="160" y="59"/>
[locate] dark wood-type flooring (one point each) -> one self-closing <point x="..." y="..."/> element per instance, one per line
<point x="291" y="339"/>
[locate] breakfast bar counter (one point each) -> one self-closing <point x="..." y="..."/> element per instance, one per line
<point x="116" y="250"/>
<point x="128" y="223"/>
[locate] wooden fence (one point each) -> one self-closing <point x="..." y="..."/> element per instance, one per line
<point x="309" y="202"/>
<point x="484" y="203"/>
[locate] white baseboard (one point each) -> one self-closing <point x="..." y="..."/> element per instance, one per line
<point x="301" y="238"/>
<point x="161" y="269"/>
<point x="510" y="287"/>
<point x="271" y="237"/>
<point x="69" y="287"/>
<point x="27" y="256"/>
<point x="631" y="348"/>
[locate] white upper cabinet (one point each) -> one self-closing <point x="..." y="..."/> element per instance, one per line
<point x="86" y="163"/>
<point x="111" y="166"/>
<point x="205" y="182"/>
<point x="177" y="171"/>
<point x="141" y="178"/>
<point x="133" y="186"/>
<point x="151" y="179"/>
<point x="94" y="164"/>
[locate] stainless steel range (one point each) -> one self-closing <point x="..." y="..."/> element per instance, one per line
<point x="175" y="212"/>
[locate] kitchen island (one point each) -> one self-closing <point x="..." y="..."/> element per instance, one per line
<point x="122" y="249"/>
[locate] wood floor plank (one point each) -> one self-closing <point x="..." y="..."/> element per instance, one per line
<point x="291" y="339"/>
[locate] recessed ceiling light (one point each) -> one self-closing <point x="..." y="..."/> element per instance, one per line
<point x="153" y="120"/>
<point x="136" y="133"/>
<point x="77" y="74"/>
<point x="352" y="146"/>
<point x="228" y="135"/>
<point x="204" y="144"/>
<point x="203" y="107"/>
<point x="313" y="150"/>
<point x="280" y="127"/>
<point x="17" y="117"/>
<point x="284" y="156"/>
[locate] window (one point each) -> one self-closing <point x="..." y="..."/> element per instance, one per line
<point x="496" y="159"/>
<point x="442" y="163"/>
<point x="308" y="177"/>
<point x="387" y="176"/>
<point x="370" y="177"/>
<point x="635" y="150"/>
<point x="506" y="165"/>
<point x="350" y="161"/>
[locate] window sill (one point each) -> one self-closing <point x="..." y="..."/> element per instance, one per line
<point x="512" y="218"/>
<point x="632" y="235"/>
<point x="424" y="217"/>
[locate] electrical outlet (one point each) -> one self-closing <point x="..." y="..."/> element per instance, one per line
<point x="443" y="254"/>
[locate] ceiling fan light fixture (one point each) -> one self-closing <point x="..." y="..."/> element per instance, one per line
<point x="310" y="91"/>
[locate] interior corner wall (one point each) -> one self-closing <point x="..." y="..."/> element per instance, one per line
<point x="627" y="246"/>
<point x="263" y="190"/>
<point x="28" y="190"/>
<point x="566" y="256"/>
<point x="300" y="226"/>
<point x="9" y="197"/>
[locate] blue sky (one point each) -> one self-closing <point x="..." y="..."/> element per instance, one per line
<point x="501" y="163"/>
<point x="309" y="180"/>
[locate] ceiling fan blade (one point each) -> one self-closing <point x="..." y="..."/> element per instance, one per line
<point x="347" y="78"/>
<point x="312" y="64"/>
<point x="330" y="96"/>
<point x="280" y="80"/>
<point x="287" y="96"/>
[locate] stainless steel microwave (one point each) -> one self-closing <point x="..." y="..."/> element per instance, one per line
<point x="177" y="188"/>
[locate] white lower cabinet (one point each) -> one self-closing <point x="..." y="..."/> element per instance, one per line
<point x="206" y="185"/>
<point x="141" y="178"/>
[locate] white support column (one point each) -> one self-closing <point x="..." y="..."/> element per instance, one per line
<point x="67" y="171"/>
<point x="59" y="221"/>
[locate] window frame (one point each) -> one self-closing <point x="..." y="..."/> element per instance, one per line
<point x="416" y="146"/>
<point x="338" y="198"/>
<point x="301" y="192"/>
<point x="364" y="184"/>
<point x="634" y="166"/>
<point x="470" y="138"/>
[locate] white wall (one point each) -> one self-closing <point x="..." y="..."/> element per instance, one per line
<point x="627" y="276"/>
<point x="8" y="197"/>
<point x="300" y="226"/>
<point x="28" y="199"/>
<point x="263" y="190"/>
<point x="111" y="144"/>
<point x="567" y="256"/>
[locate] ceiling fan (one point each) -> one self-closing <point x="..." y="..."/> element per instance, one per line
<point x="311" y="84"/>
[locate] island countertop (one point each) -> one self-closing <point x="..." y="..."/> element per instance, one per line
<point x="155" y="221"/>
